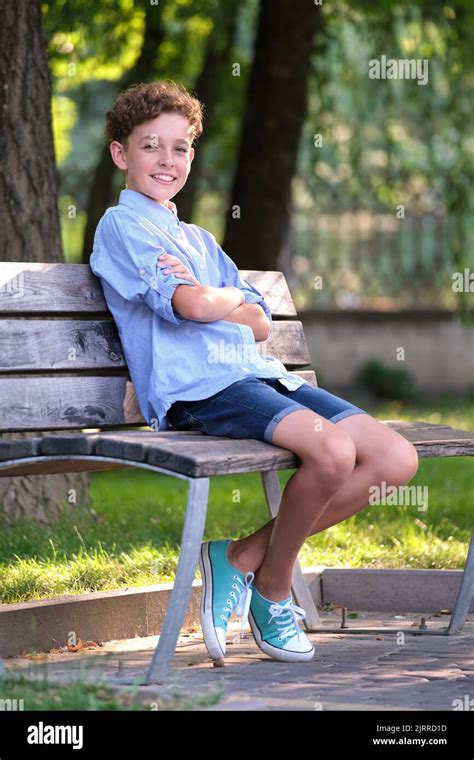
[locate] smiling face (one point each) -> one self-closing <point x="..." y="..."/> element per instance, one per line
<point x="158" y="156"/>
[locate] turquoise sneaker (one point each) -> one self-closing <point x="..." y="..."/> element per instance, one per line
<point x="276" y="630"/>
<point x="224" y="590"/>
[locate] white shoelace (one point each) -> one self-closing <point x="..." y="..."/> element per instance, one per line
<point x="288" y="625"/>
<point x="242" y="603"/>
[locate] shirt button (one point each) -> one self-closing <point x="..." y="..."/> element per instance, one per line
<point x="202" y="266"/>
<point x="142" y="271"/>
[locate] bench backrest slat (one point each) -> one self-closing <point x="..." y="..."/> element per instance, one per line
<point x="61" y="360"/>
<point x="27" y="288"/>
<point x="59" y="402"/>
<point x="43" y="345"/>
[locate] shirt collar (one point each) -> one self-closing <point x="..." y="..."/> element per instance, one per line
<point x="161" y="213"/>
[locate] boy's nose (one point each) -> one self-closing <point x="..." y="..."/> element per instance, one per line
<point x="166" y="160"/>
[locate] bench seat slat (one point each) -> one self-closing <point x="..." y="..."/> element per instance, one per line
<point x="197" y="455"/>
<point x="58" y="467"/>
<point x="25" y="447"/>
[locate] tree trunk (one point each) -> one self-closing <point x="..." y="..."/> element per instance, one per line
<point x="29" y="220"/>
<point x="256" y="221"/>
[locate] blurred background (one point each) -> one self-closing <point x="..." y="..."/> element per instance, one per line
<point x="359" y="189"/>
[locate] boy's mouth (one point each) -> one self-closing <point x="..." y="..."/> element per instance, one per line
<point x="163" y="179"/>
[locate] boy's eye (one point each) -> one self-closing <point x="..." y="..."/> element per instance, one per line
<point x="183" y="150"/>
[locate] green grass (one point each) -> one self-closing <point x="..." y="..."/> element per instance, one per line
<point x="39" y="693"/>
<point x="135" y="537"/>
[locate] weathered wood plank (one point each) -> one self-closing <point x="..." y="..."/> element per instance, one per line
<point x="414" y="425"/>
<point x="137" y="448"/>
<point x="447" y="441"/>
<point x="58" y="467"/>
<point x="26" y="447"/>
<point x="274" y="287"/>
<point x="197" y="455"/>
<point x="211" y="455"/>
<point x="307" y="374"/>
<point x="64" y="402"/>
<point x="28" y="288"/>
<point x="60" y="444"/>
<point x="43" y="345"/>
<point x="49" y="288"/>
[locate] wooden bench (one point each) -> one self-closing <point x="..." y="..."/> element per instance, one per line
<point x="63" y="369"/>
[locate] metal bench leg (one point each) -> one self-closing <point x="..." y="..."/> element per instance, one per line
<point x="272" y="490"/>
<point x="465" y="593"/>
<point x="193" y="530"/>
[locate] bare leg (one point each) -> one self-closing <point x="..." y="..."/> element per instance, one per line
<point x="385" y="456"/>
<point x="328" y="459"/>
<point x="248" y="553"/>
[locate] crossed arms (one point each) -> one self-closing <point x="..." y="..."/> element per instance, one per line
<point x="205" y="303"/>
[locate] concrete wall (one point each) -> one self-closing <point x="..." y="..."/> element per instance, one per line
<point x="439" y="350"/>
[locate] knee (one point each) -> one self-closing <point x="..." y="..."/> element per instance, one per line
<point x="398" y="461"/>
<point x="334" y="457"/>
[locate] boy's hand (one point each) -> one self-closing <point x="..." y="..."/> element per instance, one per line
<point x="175" y="266"/>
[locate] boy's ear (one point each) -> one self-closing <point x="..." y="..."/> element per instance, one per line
<point x="118" y="155"/>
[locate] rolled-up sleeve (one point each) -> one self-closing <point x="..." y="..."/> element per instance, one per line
<point x="125" y="256"/>
<point x="230" y="275"/>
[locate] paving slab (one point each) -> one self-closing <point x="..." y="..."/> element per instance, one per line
<point x="364" y="671"/>
<point x="141" y="610"/>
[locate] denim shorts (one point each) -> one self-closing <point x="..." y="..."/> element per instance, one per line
<point x="252" y="408"/>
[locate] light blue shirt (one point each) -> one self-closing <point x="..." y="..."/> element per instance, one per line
<point x="171" y="358"/>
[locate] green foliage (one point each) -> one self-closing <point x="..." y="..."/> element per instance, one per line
<point x="389" y="142"/>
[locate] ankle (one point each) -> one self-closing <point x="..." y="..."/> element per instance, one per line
<point x="270" y="590"/>
<point x="245" y="559"/>
<point x="237" y="558"/>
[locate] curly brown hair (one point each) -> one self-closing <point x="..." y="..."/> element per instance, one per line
<point x="142" y="102"/>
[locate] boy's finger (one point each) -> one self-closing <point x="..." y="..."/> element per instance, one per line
<point x="175" y="268"/>
<point x="169" y="261"/>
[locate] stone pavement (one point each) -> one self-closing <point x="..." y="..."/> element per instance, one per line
<point x="366" y="671"/>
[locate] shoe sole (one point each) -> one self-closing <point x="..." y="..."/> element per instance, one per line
<point x="284" y="655"/>
<point x="211" y="641"/>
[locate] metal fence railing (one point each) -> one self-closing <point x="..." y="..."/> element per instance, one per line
<point x="369" y="261"/>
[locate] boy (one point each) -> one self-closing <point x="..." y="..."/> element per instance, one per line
<point x="188" y="325"/>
